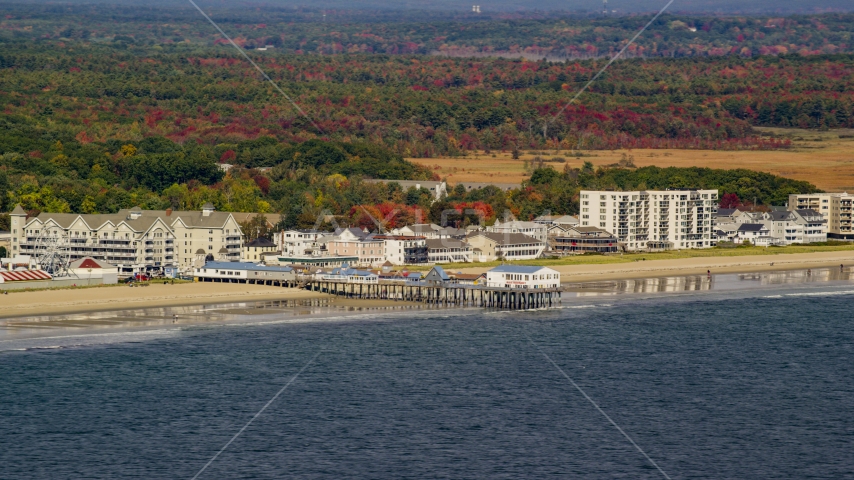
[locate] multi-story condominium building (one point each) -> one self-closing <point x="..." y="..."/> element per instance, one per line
<point x="448" y="250"/>
<point x="404" y="250"/>
<point x="654" y="219"/>
<point x="489" y="246"/>
<point x="136" y="240"/>
<point x="352" y="242"/>
<point x="531" y="229"/>
<point x="836" y="208"/>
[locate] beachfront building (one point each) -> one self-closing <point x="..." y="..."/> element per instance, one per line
<point x="580" y="240"/>
<point x="796" y="226"/>
<point x="814" y="223"/>
<point x="517" y="276"/>
<point x="346" y="274"/>
<point x="245" y="272"/>
<point x="92" y="272"/>
<point x="300" y="242"/>
<point x="430" y="230"/>
<point x="756" y="234"/>
<point x="437" y="189"/>
<point x="255" y="250"/>
<point x="448" y="250"/>
<point x="436" y="276"/>
<point x="836" y="208"/>
<point x="135" y="240"/>
<point x="23" y="279"/>
<point x="312" y="261"/>
<point x="531" y="229"/>
<point x="653" y="219"/>
<point x="490" y="246"/>
<point x="352" y="242"/>
<point x="403" y="249"/>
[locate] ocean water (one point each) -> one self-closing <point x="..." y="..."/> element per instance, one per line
<point x="731" y="385"/>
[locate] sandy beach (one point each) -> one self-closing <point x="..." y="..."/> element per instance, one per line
<point x="68" y="301"/>
<point x="699" y="266"/>
<point x="55" y="302"/>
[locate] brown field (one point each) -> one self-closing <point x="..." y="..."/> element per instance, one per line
<point x="825" y="159"/>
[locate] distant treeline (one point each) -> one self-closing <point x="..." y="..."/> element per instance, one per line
<point x="456" y="32"/>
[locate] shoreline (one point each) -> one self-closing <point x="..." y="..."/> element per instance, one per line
<point x="571" y="274"/>
<point x="23" y="305"/>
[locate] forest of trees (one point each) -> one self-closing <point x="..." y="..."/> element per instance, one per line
<point x="556" y="35"/>
<point x="96" y="121"/>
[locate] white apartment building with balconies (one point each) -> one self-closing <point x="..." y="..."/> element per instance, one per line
<point x="836" y="208"/>
<point x="653" y="219"/>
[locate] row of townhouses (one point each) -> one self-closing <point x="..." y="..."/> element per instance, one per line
<point x="777" y="227"/>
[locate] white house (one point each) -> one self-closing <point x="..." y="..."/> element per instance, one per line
<point x="756" y="233"/>
<point x="300" y="242"/>
<point x="532" y="229"/>
<point x="489" y="246"/>
<point x="404" y="250"/>
<point x="516" y="276"/>
<point x="814" y="223"/>
<point x="448" y="250"/>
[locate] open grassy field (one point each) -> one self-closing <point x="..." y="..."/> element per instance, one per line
<point x="825" y="159"/>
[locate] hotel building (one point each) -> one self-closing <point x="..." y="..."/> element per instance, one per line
<point x="135" y="240"/>
<point x="653" y="219"/>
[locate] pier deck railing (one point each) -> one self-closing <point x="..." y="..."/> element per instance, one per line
<point x="449" y="294"/>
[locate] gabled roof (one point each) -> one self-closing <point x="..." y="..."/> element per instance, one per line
<point x="751" y="227"/>
<point x="261" y="243"/>
<point x="89" y="262"/>
<point x="725" y="212"/>
<point x="358" y="233"/>
<point x="437" y="272"/>
<point x="781" y="215"/>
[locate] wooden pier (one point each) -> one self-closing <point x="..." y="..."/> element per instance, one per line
<point x="443" y="294"/>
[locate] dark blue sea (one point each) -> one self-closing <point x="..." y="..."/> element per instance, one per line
<point x="718" y="386"/>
